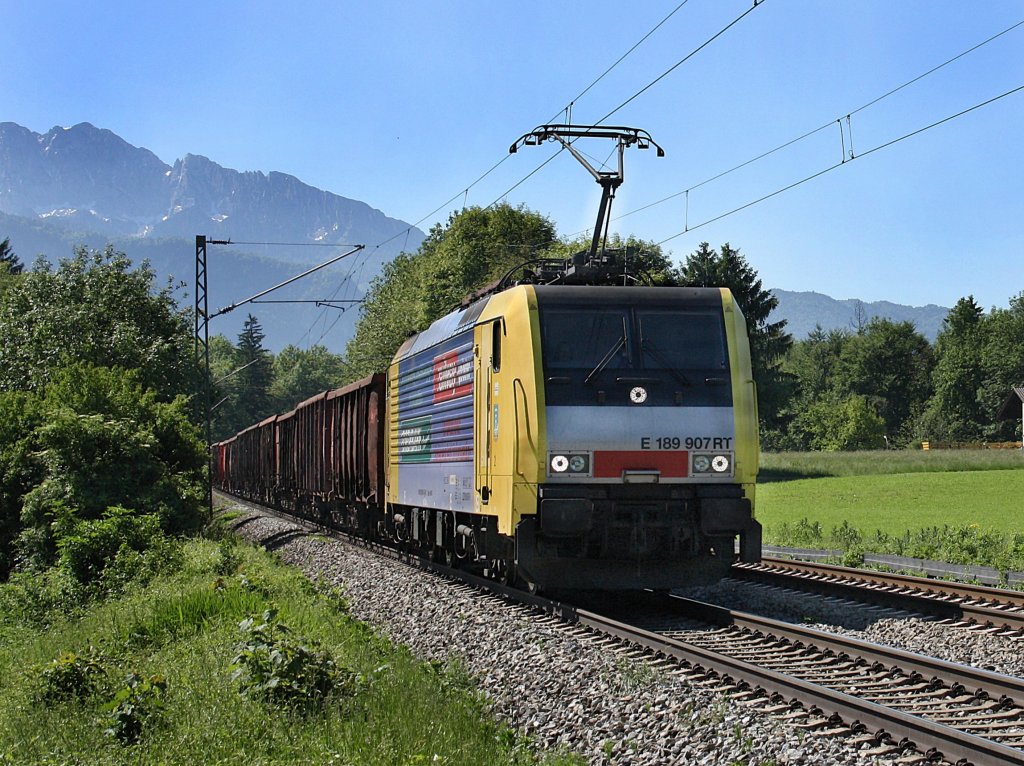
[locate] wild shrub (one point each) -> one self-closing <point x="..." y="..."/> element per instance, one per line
<point x="36" y="599"/>
<point x="274" y="666"/>
<point x="120" y="548"/>
<point x="803" y="534"/>
<point x="70" y="677"/>
<point x="104" y="442"/>
<point x="228" y="559"/>
<point x="136" y="703"/>
<point x="968" y="544"/>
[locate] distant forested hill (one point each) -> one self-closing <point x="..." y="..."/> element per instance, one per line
<point x="803" y="310"/>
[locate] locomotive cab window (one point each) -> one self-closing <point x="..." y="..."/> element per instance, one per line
<point x="584" y="339"/>
<point x="496" y="346"/>
<point x="595" y="355"/>
<point x="682" y="341"/>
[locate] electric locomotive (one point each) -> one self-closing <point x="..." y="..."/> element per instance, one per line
<point x="579" y="436"/>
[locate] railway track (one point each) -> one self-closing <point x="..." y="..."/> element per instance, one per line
<point x="842" y="686"/>
<point x="916" y="708"/>
<point x="975" y="606"/>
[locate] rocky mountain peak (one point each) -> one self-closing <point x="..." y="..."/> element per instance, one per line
<point x="85" y="178"/>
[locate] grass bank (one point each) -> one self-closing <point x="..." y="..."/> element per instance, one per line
<point x="155" y="677"/>
<point x="958" y="506"/>
<point x="786" y="466"/>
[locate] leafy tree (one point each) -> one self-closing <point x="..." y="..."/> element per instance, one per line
<point x="227" y="417"/>
<point x="477" y="246"/>
<point x="299" y="374"/>
<point x="832" y="425"/>
<point x="20" y="415"/>
<point x="812" y="365"/>
<point x="890" y="364"/>
<point x="95" y="370"/>
<point x="813" y="362"/>
<point x="94" y="307"/>
<point x="254" y="375"/>
<point x="1003" y="364"/>
<point x="955" y="411"/>
<point x="9" y="262"/>
<point x="392" y="310"/>
<point x="769" y="341"/>
<point x="105" y="441"/>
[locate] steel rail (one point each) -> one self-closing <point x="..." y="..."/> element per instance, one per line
<point x="973" y="680"/>
<point x="896" y="579"/>
<point x="932" y="599"/>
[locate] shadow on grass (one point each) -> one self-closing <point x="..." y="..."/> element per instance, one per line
<point x="769" y="475"/>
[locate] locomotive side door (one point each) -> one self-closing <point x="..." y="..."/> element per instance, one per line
<point x="487" y="350"/>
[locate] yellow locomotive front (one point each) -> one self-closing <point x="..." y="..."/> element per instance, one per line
<point x="613" y="431"/>
<point x="642" y="446"/>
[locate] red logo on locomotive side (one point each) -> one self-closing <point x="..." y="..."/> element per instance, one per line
<point x="452" y="378"/>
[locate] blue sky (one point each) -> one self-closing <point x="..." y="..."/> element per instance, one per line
<point x="404" y="105"/>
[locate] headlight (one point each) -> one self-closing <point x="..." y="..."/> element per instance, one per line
<point x="578" y="463"/>
<point x="575" y="462"/>
<point x="705" y="463"/>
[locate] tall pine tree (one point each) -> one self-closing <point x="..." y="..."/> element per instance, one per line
<point x="255" y="376"/>
<point x="955" y="411"/>
<point x="769" y="341"/>
<point x="8" y="260"/>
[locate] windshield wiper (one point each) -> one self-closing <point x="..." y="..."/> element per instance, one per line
<point x="647" y="347"/>
<point x="606" y="359"/>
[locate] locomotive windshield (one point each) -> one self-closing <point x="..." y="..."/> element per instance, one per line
<point x="583" y="339"/>
<point x="682" y="341"/>
<point x="597" y="354"/>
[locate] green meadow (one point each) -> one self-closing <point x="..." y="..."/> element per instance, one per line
<point x="960" y="506"/>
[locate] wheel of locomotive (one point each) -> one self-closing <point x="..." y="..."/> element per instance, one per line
<point x="518" y="581"/>
<point x="503" y="571"/>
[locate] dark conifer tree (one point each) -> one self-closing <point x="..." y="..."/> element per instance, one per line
<point x="769" y="341"/>
<point x="255" y="375"/>
<point x="8" y="259"/>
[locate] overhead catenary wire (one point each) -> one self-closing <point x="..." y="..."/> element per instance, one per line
<point x="684" y="59"/>
<point x="297" y="244"/>
<point x="307" y="272"/>
<point x="840" y="164"/>
<point x="464" y="192"/>
<point x="567" y="109"/>
<point x="619" y="60"/>
<point x="824" y="126"/>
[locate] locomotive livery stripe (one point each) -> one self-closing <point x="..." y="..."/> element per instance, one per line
<point x="610" y="464"/>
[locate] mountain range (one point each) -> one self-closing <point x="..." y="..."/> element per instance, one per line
<point x="86" y="185"/>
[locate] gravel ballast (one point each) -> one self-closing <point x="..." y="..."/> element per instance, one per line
<point x="556" y="684"/>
